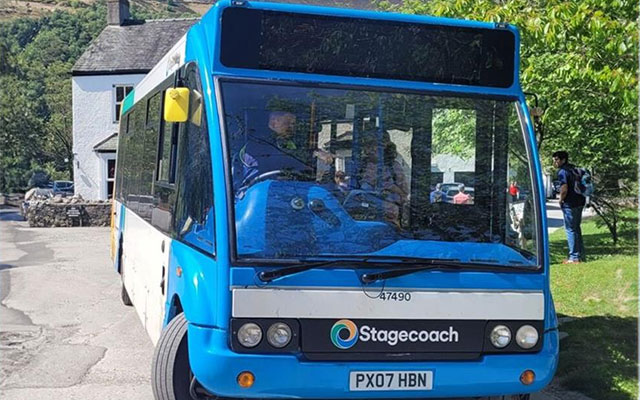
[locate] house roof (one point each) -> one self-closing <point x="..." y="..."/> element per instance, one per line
<point x="108" y="144"/>
<point x="134" y="47"/>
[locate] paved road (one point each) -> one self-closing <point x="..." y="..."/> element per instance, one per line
<point x="64" y="334"/>
<point x="554" y="215"/>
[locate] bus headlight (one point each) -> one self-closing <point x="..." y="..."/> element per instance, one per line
<point x="249" y="335"/>
<point x="500" y="336"/>
<point x="279" y="335"/>
<point x="527" y="336"/>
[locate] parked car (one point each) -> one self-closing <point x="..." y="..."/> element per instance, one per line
<point x="454" y="191"/>
<point x="64" y="188"/>
<point x="445" y="187"/>
<point x="523" y="194"/>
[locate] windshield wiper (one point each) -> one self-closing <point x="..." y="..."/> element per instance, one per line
<point x="396" y="272"/>
<point x="434" y="264"/>
<point x="268" y="276"/>
<point x="369" y="260"/>
<point x="416" y="264"/>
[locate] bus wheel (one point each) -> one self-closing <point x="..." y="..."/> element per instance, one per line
<point x="170" y="371"/>
<point x="508" y="397"/>
<point x="124" y="295"/>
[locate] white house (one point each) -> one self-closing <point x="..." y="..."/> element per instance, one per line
<point x="449" y="168"/>
<point x="123" y="53"/>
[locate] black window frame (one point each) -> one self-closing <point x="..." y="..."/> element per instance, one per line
<point x="117" y="105"/>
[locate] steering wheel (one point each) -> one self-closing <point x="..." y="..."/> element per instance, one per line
<point x="271" y="175"/>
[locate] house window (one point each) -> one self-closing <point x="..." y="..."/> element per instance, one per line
<point x="111" y="175"/>
<point x="120" y="92"/>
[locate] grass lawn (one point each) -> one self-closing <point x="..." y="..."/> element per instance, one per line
<point x="599" y="358"/>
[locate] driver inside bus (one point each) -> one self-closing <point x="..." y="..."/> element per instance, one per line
<point x="274" y="151"/>
<point x="278" y="149"/>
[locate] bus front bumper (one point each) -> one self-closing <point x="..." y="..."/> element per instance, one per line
<point x="286" y="376"/>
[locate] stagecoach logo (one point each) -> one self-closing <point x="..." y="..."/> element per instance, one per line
<point x="390" y="337"/>
<point x="352" y="337"/>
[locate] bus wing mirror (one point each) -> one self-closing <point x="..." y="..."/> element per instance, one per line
<point x="176" y="104"/>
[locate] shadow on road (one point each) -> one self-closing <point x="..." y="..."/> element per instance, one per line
<point x="10" y="214"/>
<point x="600" y="245"/>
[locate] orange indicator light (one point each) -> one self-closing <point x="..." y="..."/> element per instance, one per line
<point x="527" y="377"/>
<point x="246" y="379"/>
<point x="179" y="271"/>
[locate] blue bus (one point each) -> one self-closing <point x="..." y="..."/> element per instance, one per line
<point x="314" y="203"/>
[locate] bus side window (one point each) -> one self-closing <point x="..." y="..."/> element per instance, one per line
<point x="148" y="158"/>
<point x="164" y="190"/>
<point x="135" y="194"/>
<point x="166" y="168"/>
<point x="122" y="135"/>
<point x="194" y="220"/>
<point x="126" y="161"/>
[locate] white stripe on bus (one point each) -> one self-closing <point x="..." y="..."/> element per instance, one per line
<point x="423" y="305"/>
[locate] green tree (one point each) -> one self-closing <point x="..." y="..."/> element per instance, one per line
<point x="36" y="57"/>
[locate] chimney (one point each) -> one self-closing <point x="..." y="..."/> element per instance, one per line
<point x="117" y="11"/>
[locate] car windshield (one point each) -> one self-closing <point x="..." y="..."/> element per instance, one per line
<point x="327" y="173"/>
<point x="63" y="185"/>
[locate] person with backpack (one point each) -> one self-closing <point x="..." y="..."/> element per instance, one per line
<point x="572" y="201"/>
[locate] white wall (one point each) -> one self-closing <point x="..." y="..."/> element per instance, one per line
<point x="93" y="114"/>
<point x="450" y="164"/>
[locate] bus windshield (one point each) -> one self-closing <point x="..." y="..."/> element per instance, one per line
<point x="328" y="173"/>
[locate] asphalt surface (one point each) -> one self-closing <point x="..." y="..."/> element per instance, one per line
<point x="64" y="334"/>
<point x="554" y="215"/>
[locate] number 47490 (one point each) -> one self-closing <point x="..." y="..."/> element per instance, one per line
<point x="395" y="296"/>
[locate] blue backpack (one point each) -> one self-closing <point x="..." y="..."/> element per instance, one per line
<point x="582" y="182"/>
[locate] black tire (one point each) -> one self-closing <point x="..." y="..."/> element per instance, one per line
<point x="508" y="397"/>
<point x="170" y="371"/>
<point x="124" y="295"/>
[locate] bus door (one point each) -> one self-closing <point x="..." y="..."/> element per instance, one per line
<point x="154" y="258"/>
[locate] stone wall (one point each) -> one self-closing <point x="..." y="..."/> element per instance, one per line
<point x="74" y="212"/>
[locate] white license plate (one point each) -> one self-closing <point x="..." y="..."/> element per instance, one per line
<point x="390" y="380"/>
